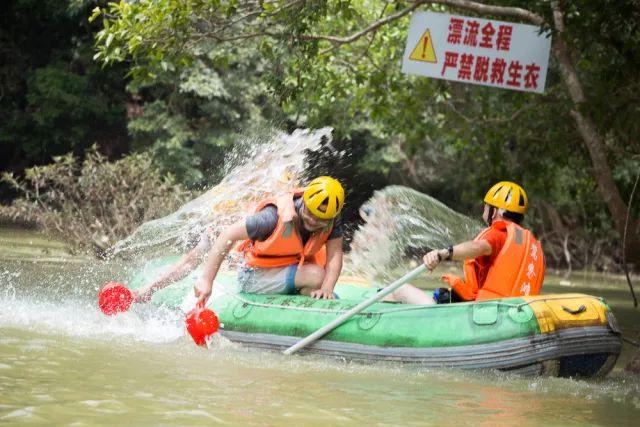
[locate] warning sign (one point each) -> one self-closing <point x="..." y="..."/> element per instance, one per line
<point x="424" y="49"/>
<point x="477" y="51"/>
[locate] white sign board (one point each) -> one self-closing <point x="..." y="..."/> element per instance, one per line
<point x="477" y="51"/>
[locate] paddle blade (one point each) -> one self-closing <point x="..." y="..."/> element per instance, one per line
<point x="114" y="298"/>
<point x="201" y="323"/>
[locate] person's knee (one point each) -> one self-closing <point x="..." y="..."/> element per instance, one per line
<point x="409" y="294"/>
<point x="309" y="276"/>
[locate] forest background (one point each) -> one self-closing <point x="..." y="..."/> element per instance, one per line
<point x="144" y="95"/>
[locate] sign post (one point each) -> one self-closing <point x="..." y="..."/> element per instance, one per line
<point x="477" y="51"/>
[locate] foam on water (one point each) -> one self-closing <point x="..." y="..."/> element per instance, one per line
<point x="76" y="316"/>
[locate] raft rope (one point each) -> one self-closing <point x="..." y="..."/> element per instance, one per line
<point x="404" y="308"/>
<point x="630" y="341"/>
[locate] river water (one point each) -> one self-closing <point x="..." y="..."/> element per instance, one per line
<point x="63" y="362"/>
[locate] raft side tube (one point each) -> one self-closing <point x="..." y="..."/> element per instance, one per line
<point x="595" y="344"/>
<point x="563" y="334"/>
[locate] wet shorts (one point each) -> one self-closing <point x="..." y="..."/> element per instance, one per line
<point x="276" y="280"/>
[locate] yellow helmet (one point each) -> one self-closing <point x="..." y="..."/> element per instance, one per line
<point x="508" y="196"/>
<point x="324" y="189"/>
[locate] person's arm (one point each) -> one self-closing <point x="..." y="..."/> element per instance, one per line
<point x="465" y="250"/>
<point x="332" y="269"/>
<point x="217" y="254"/>
<point x="179" y="270"/>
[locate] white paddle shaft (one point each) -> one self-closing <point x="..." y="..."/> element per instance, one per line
<point x="355" y="310"/>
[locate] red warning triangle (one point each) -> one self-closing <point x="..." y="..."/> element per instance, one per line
<point x="424" y="49"/>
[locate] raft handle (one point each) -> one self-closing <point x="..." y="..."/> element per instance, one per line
<point x="579" y="310"/>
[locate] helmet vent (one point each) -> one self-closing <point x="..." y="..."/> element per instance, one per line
<point x="324" y="197"/>
<point x="319" y="190"/>
<point x="320" y="206"/>
<point x="508" y="196"/>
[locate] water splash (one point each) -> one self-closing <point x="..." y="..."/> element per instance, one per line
<point x="401" y="222"/>
<point x="82" y="320"/>
<point x="257" y="168"/>
<point x="41" y="305"/>
<point x="60" y="298"/>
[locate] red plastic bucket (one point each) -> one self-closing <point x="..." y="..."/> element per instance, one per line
<point x="201" y="323"/>
<point x="114" y="298"/>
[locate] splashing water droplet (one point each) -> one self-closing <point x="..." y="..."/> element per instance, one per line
<point x="400" y="223"/>
<point x="256" y="170"/>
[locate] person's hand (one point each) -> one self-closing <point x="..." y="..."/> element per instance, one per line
<point x="431" y="259"/>
<point x="202" y="289"/>
<point x="451" y="279"/>
<point x="322" y="293"/>
<point x="142" y="295"/>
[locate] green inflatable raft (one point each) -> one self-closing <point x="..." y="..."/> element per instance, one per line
<point x="569" y="335"/>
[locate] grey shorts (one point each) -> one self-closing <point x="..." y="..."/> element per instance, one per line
<point x="276" y="280"/>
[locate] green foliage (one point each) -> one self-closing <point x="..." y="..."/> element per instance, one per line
<point x="448" y="139"/>
<point x="94" y="203"/>
<point x="168" y="135"/>
<point x="192" y="117"/>
<point x="151" y="29"/>
<point x="55" y="99"/>
<point x="62" y="106"/>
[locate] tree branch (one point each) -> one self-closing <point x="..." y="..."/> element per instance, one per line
<point x="484" y="9"/>
<point x="480" y="8"/>
<point x="255" y="13"/>
<point x="371" y="28"/>
<point x="311" y="37"/>
<point x="586" y="126"/>
<point x="624" y="243"/>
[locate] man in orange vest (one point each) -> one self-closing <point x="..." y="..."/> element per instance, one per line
<point x="290" y="244"/>
<point x="505" y="259"/>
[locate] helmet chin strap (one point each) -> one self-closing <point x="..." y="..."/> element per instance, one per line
<point x="491" y="214"/>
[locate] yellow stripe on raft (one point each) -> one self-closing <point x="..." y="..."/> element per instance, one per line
<point x="565" y="311"/>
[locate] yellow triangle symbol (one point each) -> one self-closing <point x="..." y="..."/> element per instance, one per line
<point x="424" y="49"/>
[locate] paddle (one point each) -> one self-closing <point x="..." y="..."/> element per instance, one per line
<point x="201" y="323"/>
<point x="355" y="310"/>
<point x="114" y="298"/>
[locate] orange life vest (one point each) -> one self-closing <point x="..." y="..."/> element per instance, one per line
<point x="517" y="270"/>
<point x="284" y="246"/>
